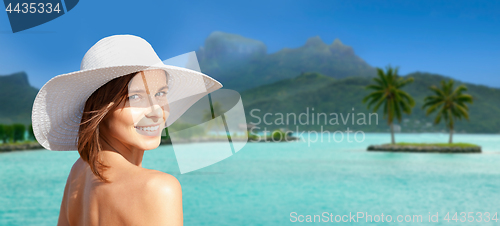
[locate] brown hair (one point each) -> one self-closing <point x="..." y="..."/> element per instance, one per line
<point x="97" y="106"/>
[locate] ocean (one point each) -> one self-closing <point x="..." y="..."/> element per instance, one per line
<point x="288" y="182"/>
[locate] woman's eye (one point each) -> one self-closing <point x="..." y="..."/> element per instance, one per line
<point x="161" y="94"/>
<point x="134" y="97"/>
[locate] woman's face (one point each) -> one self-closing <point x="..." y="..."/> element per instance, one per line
<point x="140" y="120"/>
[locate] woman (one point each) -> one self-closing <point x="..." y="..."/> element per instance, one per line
<point x="111" y="111"/>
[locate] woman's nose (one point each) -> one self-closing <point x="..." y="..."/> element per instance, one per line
<point x="155" y="113"/>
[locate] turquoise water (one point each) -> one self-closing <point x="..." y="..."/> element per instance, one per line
<point x="265" y="182"/>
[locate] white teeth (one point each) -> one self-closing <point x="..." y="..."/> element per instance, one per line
<point x="149" y="128"/>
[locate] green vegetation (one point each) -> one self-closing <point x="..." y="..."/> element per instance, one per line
<point x="252" y="136"/>
<point x="330" y="95"/>
<point x="450" y="104"/>
<point x="276" y="135"/>
<point x="20" y="142"/>
<point x="15" y="134"/>
<point x="16" y="99"/>
<point x="282" y="90"/>
<point x="3" y="137"/>
<point x="182" y="131"/>
<point x="7" y="133"/>
<point x="18" y="132"/>
<point x="215" y="110"/>
<point x="387" y="92"/>
<point x="31" y="134"/>
<point x="462" y="145"/>
<point x="459" y="148"/>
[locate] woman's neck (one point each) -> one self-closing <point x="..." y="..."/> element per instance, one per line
<point x="117" y="153"/>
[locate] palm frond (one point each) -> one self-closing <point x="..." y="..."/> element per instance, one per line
<point x="437" y="91"/>
<point x="380" y="101"/>
<point x="463" y="111"/>
<point x="433" y="107"/>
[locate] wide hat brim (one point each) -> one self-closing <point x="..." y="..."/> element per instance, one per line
<point x="58" y="106"/>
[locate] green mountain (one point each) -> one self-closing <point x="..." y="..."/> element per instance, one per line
<point x="316" y="93"/>
<point x="16" y="98"/>
<point x="241" y="63"/>
<point x="309" y="92"/>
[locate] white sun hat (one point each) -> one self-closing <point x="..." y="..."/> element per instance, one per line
<point x="58" y="106"/>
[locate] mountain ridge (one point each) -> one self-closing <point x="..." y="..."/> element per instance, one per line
<point x="258" y="67"/>
<point x="307" y="90"/>
<point x="16" y="97"/>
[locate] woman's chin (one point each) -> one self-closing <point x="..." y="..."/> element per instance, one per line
<point x="149" y="139"/>
<point x="150" y="144"/>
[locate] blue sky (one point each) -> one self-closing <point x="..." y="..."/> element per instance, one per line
<point x="459" y="39"/>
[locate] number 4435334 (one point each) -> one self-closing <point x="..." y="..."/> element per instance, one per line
<point x="33" y="8"/>
<point x="471" y="217"/>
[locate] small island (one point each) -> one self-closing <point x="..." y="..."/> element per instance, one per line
<point x="449" y="104"/>
<point x="427" y="147"/>
<point x="20" y="146"/>
<point x="277" y="135"/>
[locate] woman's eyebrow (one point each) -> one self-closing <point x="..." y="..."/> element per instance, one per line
<point x="137" y="91"/>
<point x="143" y="91"/>
<point x="163" y="87"/>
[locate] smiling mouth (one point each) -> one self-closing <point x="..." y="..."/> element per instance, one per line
<point x="148" y="128"/>
<point x="150" y="131"/>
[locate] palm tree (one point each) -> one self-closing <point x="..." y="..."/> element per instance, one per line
<point x="450" y="102"/>
<point x="207" y="116"/>
<point x="387" y="91"/>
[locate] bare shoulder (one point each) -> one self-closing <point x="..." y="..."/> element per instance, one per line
<point x="162" y="182"/>
<point x="162" y="187"/>
<point x="77" y="167"/>
<point x="163" y="196"/>
<point x="64" y="213"/>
